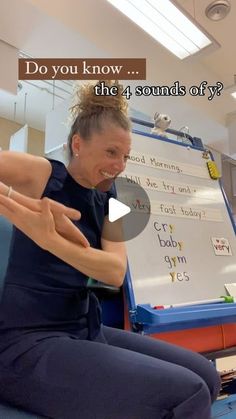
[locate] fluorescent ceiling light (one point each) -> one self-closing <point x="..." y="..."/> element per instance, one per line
<point x="234" y="95"/>
<point x="166" y="23"/>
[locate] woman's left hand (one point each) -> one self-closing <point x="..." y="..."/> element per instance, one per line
<point x="67" y="229"/>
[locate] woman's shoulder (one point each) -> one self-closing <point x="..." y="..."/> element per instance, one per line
<point x="57" y="178"/>
<point x="58" y="168"/>
<point x="43" y="171"/>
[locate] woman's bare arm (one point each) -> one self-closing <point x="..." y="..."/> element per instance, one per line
<point x="62" y="214"/>
<point x="26" y="173"/>
<point x="108" y="266"/>
<point x="102" y="265"/>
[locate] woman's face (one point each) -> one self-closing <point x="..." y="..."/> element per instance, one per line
<point x="103" y="157"/>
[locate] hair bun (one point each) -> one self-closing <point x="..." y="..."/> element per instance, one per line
<point x="86" y="102"/>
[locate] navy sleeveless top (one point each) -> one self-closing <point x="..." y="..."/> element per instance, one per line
<point x="41" y="291"/>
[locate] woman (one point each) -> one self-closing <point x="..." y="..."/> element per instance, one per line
<point x="56" y="359"/>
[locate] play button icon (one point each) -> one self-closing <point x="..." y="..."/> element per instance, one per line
<point x="117" y="210"/>
<point x="129" y="214"/>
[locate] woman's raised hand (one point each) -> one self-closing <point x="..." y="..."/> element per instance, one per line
<point x="42" y="219"/>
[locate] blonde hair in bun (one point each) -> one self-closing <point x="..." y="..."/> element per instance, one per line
<point x="89" y="111"/>
<point x="85" y="100"/>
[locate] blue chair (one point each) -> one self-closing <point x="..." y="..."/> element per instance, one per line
<point x="5" y="238"/>
<point x="6" y="411"/>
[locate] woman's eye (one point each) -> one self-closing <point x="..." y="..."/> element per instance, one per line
<point x="114" y="153"/>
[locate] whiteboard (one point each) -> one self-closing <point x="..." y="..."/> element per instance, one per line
<point x="187" y="251"/>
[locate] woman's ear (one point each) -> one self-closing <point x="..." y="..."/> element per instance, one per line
<point x="75" y="145"/>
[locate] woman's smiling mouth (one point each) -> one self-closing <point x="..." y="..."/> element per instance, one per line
<point x="108" y="175"/>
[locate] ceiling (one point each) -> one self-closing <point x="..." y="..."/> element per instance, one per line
<point x="93" y="28"/>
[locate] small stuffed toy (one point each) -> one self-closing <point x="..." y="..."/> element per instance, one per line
<point x="161" y="123"/>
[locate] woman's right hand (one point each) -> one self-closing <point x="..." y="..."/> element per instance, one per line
<point x="62" y="215"/>
<point x="40" y="225"/>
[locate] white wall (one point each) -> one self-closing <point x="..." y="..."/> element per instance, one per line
<point x="57" y="126"/>
<point x="8" y="68"/>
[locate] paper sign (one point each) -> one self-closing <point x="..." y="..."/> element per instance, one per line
<point x="221" y="246"/>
